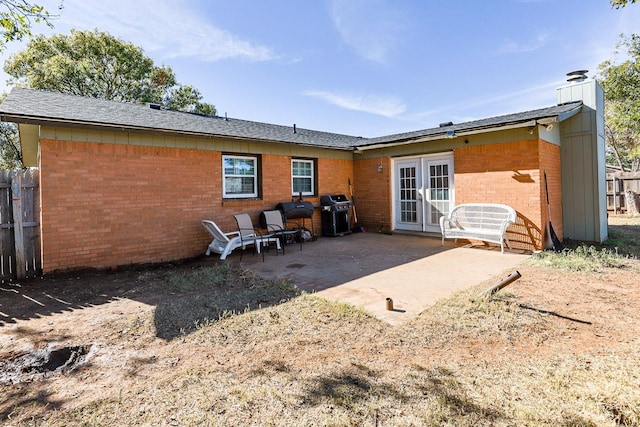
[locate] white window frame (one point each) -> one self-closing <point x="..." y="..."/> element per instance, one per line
<point x="253" y="194"/>
<point x="312" y="177"/>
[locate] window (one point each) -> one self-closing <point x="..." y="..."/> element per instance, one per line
<point x="240" y="176"/>
<point x="302" y="177"/>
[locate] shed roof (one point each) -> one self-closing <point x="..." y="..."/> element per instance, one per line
<point x="52" y="108"/>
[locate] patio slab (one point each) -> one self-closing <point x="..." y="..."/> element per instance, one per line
<point x="364" y="269"/>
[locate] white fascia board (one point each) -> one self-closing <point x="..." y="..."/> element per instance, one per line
<point x="440" y="136"/>
<point x="542" y="121"/>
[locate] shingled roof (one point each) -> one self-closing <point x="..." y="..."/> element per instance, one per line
<point x="41" y="107"/>
<point x="50" y="108"/>
<point x="556" y="113"/>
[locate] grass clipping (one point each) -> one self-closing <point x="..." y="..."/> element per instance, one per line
<point x="258" y="352"/>
<point x="210" y="294"/>
<point x="311" y="362"/>
<point x="583" y="258"/>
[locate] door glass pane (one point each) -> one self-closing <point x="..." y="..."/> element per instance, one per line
<point x="408" y="195"/>
<point x="437" y="210"/>
<point x="438" y="192"/>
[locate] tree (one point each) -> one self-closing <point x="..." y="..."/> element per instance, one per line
<point x="187" y="98"/>
<point x="10" y="154"/>
<point x="16" y="20"/>
<point x="621" y="83"/>
<point x="97" y="65"/>
<point x="17" y="17"/>
<point x="621" y="3"/>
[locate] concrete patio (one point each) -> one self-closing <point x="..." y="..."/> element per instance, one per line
<point x="364" y="269"/>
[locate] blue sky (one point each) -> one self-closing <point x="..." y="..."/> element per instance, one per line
<point x="363" y="67"/>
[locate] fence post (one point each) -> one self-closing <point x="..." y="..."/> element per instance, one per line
<point x="615" y="194"/>
<point x="16" y="199"/>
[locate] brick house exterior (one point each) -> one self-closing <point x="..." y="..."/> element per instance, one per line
<point x="124" y="184"/>
<point x="106" y="205"/>
<point x="510" y="173"/>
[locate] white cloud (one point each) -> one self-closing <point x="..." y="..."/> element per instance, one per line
<point x="542" y="95"/>
<point x="167" y="28"/>
<point x="599" y="44"/>
<point x="603" y="47"/>
<point x="528" y="98"/>
<point x="388" y="106"/>
<point x="628" y="19"/>
<point x="511" y="46"/>
<point x="371" y="27"/>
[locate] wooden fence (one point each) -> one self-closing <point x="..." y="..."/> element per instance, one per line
<point x="617" y="184"/>
<point x="19" y="226"/>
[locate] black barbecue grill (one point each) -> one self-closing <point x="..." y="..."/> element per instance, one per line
<point x="336" y="215"/>
<point x="297" y="210"/>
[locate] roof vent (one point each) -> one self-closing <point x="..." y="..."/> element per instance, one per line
<point x="294" y="128"/>
<point x="445" y="124"/>
<point x="577" y="76"/>
<point x="154" y="106"/>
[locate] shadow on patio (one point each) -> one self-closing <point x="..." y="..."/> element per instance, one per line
<point x="364" y="269"/>
<point x="361" y="269"/>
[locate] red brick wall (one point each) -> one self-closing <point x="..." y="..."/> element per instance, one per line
<point x="512" y="173"/>
<point x="509" y="173"/>
<point x="333" y="176"/>
<point x="105" y="205"/>
<point x="372" y="190"/>
<point x="550" y="162"/>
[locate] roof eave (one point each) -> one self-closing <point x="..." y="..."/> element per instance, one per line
<point x="444" y="135"/>
<point x="556" y="118"/>
<point x="48" y="121"/>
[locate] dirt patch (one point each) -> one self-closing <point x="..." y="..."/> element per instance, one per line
<point x="42" y="362"/>
<point x="170" y="345"/>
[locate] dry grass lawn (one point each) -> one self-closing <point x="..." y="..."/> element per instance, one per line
<point x="192" y="345"/>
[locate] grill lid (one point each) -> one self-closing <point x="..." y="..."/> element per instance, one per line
<point x="334" y="203"/>
<point x="333" y="199"/>
<point x="294" y="210"/>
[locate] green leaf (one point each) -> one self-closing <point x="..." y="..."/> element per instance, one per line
<point x="99" y="65"/>
<point x="621" y="83"/>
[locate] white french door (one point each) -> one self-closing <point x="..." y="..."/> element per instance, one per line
<point x="423" y="192"/>
<point x="408" y="205"/>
